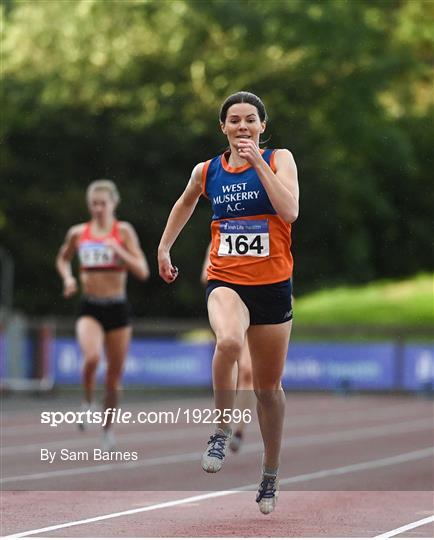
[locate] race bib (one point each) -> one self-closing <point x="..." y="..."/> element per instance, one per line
<point x="239" y="238"/>
<point x="97" y="255"/>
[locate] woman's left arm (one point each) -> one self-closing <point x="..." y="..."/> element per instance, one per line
<point x="131" y="253"/>
<point x="281" y="186"/>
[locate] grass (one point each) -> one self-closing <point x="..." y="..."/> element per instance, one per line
<point x="408" y="302"/>
<point x="378" y="310"/>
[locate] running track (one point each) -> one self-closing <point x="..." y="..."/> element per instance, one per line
<point x="351" y="467"/>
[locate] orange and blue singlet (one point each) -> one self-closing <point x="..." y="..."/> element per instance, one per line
<point x="250" y="242"/>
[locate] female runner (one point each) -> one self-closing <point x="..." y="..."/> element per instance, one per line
<point x="107" y="250"/>
<point x="254" y="198"/>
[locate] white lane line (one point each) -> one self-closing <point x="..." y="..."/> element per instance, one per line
<point x="171" y="434"/>
<point x="405" y="528"/>
<point x="154" y="436"/>
<point x="148" y="462"/>
<point x="313" y="418"/>
<point x="290" y="442"/>
<point x="168" y="504"/>
<point x="374" y="464"/>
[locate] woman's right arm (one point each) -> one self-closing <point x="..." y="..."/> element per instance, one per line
<point x="63" y="261"/>
<point x="178" y="217"/>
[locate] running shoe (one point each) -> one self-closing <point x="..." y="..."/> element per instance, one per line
<point x="108" y="441"/>
<point x="236" y="441"/>
<point x="268" y="493"/>
<point x="214" y="455"/>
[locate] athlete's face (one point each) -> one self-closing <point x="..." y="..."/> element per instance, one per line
<point x="242" y="122"/>
<point x="101" y="205"/>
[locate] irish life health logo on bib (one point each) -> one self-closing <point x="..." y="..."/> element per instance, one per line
<point x="241" y="238"/>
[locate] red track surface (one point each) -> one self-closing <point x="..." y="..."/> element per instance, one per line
<point x="383" y="441"/>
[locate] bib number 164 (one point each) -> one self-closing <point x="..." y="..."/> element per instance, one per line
<point x="242" y="245"/>
<point x="241" y="238"/>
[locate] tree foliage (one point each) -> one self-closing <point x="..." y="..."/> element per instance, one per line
<point x="130" y="90"/>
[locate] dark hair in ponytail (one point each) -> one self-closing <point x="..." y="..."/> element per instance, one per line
<point x="243" y="97"/>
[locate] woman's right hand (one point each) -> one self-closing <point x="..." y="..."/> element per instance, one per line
<point x="69" y="286"/>
<point x="167" y="271"/>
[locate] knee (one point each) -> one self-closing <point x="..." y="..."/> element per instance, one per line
<point x="230" y="347"/>
<point x="91" y="361"/>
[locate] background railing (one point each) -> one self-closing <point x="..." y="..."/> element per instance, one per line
<point x="40" y="353"/>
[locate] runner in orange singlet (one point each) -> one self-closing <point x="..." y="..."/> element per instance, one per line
<point x="254" y="198"/>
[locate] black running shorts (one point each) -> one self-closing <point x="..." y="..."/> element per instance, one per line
<point x="267" y="304"/>
<point x="111" y="313"/>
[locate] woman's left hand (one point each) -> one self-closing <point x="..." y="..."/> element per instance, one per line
<point x="248" y="150"/>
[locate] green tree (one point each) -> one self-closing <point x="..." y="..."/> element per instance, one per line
<point x="130" y="90"/>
